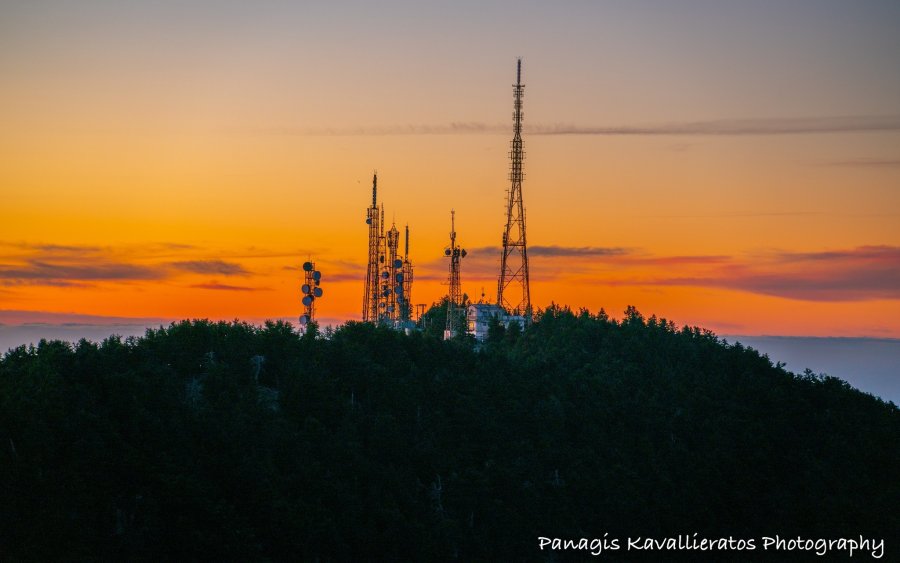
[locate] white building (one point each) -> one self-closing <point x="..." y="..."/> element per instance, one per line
<point x="479" y="315"/>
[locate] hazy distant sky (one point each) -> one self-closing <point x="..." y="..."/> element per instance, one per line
<point x="723" y="164"/>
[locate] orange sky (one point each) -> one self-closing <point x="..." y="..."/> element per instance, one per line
<point x="164" y="168"/>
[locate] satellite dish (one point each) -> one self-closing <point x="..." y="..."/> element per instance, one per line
<point x="390" y="309"/>
<point x="317" y="292"/>
<point x="304" y="319"/>
<point x="399" y="278"/>
<point x="398" y="290"/>
<point x="385" y="275"/>
<point x="446" y="252"/>
<point x="307" y="266"/>
<point x="305" y="288"/>
<point x="463" y="252"/>
<point x="398" y="263"/>
<point x="307" y="300"/>
<point x="386" y="292"/>
<point x="381" y="305"/>
<point x="317" y="275"/>
<point x="368" y="220"/>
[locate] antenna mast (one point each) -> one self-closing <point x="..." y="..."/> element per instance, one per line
<point x="373" y="219"/>
<point x="310" y="292"/>
<point x="392" y="277"/>
<point x="454" y="298"/>
<point x="513" y="293"/>
<point x="405" y="281"/>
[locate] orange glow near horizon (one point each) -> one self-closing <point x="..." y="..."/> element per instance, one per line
<point x="108" y="236"/>
<point x="174" y="167"/>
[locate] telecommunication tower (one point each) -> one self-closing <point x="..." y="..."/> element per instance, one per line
<point x="513" y="293"/>
<point x="311" y="292"/>
<point x="373" y="219"/>
<point x="454" y="298"/>
<point x="406" y="279"/>
<point x="391" y="284"/>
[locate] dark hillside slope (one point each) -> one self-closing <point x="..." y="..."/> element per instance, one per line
<point x="370" y="444"/>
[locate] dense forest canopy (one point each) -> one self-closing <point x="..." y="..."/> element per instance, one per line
<point x="208" y="441"/>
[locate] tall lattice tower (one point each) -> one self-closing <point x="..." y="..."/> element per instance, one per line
<point x="371" y="299"/>
<point x="389" y="280"/>
<point x="513" y="293"/>
<point x="405" y="280"/>
<point x="454" y="298"/>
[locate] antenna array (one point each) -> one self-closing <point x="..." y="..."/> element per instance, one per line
<point x="310" y="292"/>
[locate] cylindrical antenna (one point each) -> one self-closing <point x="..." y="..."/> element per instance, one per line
<point x="452" y="225"/>
<point x="374" y="189"/>
<point x="519" y="73"/>
<point x="406" y="245"/>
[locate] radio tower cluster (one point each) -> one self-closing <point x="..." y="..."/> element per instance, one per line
<point x="388" y="277"/>
<point x="513" y="294"/>
<point x="389" y="274"/>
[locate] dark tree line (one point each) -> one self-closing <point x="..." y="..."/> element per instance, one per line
<point x="227" y="441"/>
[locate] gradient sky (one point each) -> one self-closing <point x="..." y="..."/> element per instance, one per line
<point x="729" y="165"/>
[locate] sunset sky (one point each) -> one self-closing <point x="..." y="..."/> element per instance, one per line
<point x="731" y="166"/>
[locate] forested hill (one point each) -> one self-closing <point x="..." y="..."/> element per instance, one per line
<point x="227" y="441"/>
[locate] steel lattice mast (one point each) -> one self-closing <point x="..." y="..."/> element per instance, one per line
<point x="454" y="298"/>
<point x="513" y="293"/>
<point x="407" y="279"/>
<point x="373" y="219"/>
<point x="389" y="280"/>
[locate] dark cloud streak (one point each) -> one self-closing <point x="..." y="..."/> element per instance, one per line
<point x="865" y="163"/>
<point x="211" y="267"/>
<point x="35" y="271"/>
<point x="719" y="127"/>
<point x="223" y="287"/>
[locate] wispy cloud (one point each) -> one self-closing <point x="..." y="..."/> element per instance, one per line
<point x="730" y="127"/>
<point x="865" y="163"/>
<point x="858" y="274"/>
<point x="33" y="318"/>
<point x="765" y="126"/>
<point x="483" y="262"/>
<point x="216" y="286"/>
<point x="85" y="265"/>
<point x="554" y="251"/>
<point x="453" y="128"/>
<point x="877" y="253"/>
<point x="211" y="267"/>
<point x="39" y="272"/>
<point x="854" y="274"/>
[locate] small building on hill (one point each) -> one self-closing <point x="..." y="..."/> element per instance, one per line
<point x="479" y="315"/>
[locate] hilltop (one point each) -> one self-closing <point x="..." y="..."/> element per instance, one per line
<point x="213" y="441"/>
